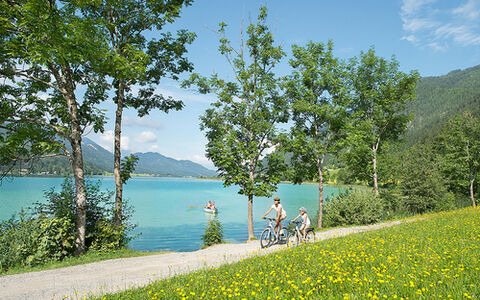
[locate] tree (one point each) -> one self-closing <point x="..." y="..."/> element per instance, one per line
<point x="48" y="49"/>
<point x="422" y="184"/>
<point x="317" y="94"/>
<point x="241" y="125"/>
<point x="140" y="61"/>
<point x="379" y="98"/>
<point x="459" y="147"/>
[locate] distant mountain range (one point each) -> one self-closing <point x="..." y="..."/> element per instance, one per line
<point x="100" y="161"/>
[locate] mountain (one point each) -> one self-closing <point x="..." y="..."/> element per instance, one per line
<point x="155" y="163"/>
<point x="440" y="98"/>
<point x="96" y="155"/>
<point x="99" y="161"/>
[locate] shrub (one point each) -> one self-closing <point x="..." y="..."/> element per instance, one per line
<point x="213" y="233"/>
<point x="107" y="236"/>
<point x="34" y="241"/>
<point x="353" y="208"/>
<point x="53" y="240"/>
<point x="48" y="233"/>
<point x="391" y="201"/>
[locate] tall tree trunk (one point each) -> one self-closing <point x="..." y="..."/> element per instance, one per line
<point x="81" y="194"/>
<point x="117" y="153"/>
<point x="77" y="161"/>
<point x="320" y="197"/>
<point x="472" y="197"/>
<point x="250" y="204"/>
<point x="250" y="217"/>
<point x="374" y="161"/>
<point x="250" y="195"/>
<point x="67" y="88"/>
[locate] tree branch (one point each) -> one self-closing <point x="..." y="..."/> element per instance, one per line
<point x="24" y="119"/>
<point x="49" y="84"/>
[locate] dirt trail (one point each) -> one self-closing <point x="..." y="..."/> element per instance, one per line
<point x="114" y="275"/>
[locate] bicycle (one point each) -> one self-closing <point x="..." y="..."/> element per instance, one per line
<point x="295" y="237"/>
<point x="269" y="237"/>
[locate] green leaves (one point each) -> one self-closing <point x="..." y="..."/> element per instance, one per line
<point x="459" y="146"/>
<point x="127" y="167"/>
<point x="316" y="93"/>
<point x="241" y="125"/>
<point x="380" y="94"/>
<point x="213" y="233"/>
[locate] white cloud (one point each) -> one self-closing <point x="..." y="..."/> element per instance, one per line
<point x="437" y="47"/>
<point x="202" y="160"/>
<point x="471" y="10"/>
<point x="460" y="34"/>
<point x="413" y="6"/>
<point x="125" y="143"/>
<point x="107" y="136"/>
<point x="186" y="95"/>
<point x="417" y="24"/>
<point x="106" y="141"/>
<point x="154" y="148"/>
<point x="142" y="122"/>
<point x="428" y="25"/>
<point x="146" y="137"/>
<point x="411" y="38"/>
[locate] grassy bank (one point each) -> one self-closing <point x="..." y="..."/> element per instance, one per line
<point x="89" y="257"/>
<point x="436" y="257"/>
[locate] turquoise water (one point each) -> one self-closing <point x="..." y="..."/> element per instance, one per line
<point x="162" y="207"/>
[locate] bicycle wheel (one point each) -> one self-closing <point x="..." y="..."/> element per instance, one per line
<point x="266" y="238"/>
<point x="310" y="237"/>
<point x="283" y="237"/>
<point x="290" y="239"/>
<point x="298" y="238"/>
<point x="294" y="239"/>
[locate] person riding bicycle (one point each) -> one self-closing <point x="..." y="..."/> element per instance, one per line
<point x="305" y="221"/>
<point x="281" y="213"/>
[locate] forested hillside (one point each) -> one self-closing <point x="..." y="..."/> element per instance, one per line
<point x="440" y="98"/>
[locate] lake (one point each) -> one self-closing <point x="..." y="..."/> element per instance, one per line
<point x="163" y="210"/>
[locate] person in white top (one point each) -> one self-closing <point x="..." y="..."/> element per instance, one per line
<point x="281" y="213"/>
<point x="305" y="220"/>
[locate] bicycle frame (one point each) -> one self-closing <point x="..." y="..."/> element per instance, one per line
<point x="298" y="236"/>
<point x="270" y="237"/>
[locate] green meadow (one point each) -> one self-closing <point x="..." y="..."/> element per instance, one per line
<point x="435" y="256"/>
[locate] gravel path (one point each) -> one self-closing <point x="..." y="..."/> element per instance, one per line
<point x="98" y="278"/>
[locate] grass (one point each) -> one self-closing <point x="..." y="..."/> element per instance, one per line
<point x="89" y="257"/>
<point x="435" y="257"/>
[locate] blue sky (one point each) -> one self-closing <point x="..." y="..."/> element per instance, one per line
<point x="431" y="36"/>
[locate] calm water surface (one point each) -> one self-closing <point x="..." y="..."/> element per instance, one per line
<point x="163" y="210"/>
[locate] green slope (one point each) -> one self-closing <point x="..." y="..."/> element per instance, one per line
<point x="440" y="98"/>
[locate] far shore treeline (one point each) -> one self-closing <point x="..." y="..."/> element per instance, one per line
<point x="328" y="119"/>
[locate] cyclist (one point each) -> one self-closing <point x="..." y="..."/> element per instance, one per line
<point x="281" y="213"/>
<point x="305" y="221"/>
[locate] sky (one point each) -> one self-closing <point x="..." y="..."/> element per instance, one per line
<point x="431" y="36"/>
